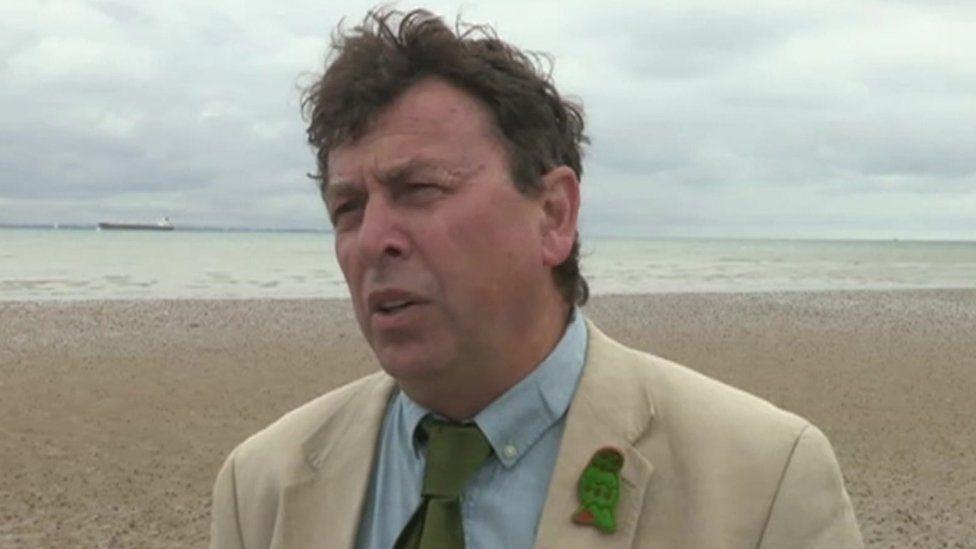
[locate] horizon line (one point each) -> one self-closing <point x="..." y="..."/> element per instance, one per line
<point x="237" y="229"/>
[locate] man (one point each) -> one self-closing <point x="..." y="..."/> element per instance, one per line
<point x="503" y="418"/>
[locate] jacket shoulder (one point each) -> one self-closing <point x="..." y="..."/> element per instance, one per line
<point x="682" y="397"/>
<point x="281" y="445"/>
<point x="248" y="491"/>
<point x="771" y="474"/>
<point x="685" y="395"/>
<point x="718" y="451"/>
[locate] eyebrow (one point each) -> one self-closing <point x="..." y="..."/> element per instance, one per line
<point x="412" y="167"/>
<point x="393" y="175"/>
<point x="338" y="189"/>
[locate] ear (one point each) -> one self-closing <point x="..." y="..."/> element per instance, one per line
<point x="560" y="202"/>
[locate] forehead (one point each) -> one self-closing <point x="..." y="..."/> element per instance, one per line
<point x="432" y="120"/>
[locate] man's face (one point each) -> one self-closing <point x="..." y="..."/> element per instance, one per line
<point x="441" y="253"/>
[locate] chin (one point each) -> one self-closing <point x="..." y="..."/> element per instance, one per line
<point x="409" y="363"/>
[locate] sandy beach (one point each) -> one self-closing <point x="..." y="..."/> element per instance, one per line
<point x="115" y="415"/>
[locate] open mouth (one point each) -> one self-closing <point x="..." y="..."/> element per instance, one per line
<point x="393" y="307"/>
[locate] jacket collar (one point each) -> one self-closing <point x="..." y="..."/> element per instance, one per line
<point x="323" y="504"/>
<point x="609" y="409"/>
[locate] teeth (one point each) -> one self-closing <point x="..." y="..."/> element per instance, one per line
<point x="389" y="305"/>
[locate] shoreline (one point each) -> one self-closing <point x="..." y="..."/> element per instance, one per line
<point x="119" y="412"/>
<point x="637" y="294"/>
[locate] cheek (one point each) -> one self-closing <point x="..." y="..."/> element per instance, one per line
<point x="506" y="245"/>
<point x="488" y="256"/>
<point x="498" y="225"/>
<point x="346" y="258"/>
<point x="346" y="253"/>
<point x="343" y="257"/>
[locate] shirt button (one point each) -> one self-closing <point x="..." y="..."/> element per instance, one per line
<point x="510" y="451"/>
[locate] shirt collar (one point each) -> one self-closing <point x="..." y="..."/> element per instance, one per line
<point x="516" y="420"/>
<point x="513" y="422"/>
<point x="410" y="415"/>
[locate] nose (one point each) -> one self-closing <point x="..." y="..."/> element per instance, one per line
<point x="381" y="235"/>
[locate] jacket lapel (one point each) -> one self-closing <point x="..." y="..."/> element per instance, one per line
<point x="323" y="506"/>
<point x="607" y="410"/>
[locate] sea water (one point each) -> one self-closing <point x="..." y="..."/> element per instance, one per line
<point x="40" y="264"/>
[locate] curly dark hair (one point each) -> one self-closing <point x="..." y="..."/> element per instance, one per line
<point x="369" y="66"/>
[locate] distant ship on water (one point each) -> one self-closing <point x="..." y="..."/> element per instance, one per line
<point x="163" y="224"/>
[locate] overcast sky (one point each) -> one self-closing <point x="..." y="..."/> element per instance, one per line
<point x="740" y="119"/>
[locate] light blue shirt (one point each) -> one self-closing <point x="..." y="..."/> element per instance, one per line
<point x="502" y="502"/>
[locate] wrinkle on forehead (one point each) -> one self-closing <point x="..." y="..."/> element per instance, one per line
<point x="446" y="170"/>
<point x="386" y="164"/>
<point x="398" y="171"/>
<point x="427" y="113"/>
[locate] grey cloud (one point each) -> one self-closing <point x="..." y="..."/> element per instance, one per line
<point x="679" y="40"/>
<point x="125" y="14"/>
<point x="707" y="118"/>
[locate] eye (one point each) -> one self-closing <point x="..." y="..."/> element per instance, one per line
<point x="342" y="209"/>
<point x="423" y="190"/>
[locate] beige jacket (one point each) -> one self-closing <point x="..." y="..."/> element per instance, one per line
<point x="705" y="466"/>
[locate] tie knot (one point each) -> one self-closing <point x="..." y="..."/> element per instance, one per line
<point x="454" y="453"/>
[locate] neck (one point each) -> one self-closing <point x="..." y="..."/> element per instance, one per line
<point x="462" y="396"/>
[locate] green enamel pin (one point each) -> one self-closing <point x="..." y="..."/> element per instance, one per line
<point x="599" y="490"/>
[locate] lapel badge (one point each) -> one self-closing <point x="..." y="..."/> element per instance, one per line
<point x="599" y="490"/>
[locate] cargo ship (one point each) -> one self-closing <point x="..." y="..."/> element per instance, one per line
<point x="163" y="224"/>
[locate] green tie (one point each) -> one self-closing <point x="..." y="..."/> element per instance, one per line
<point x="454" y="453"/>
